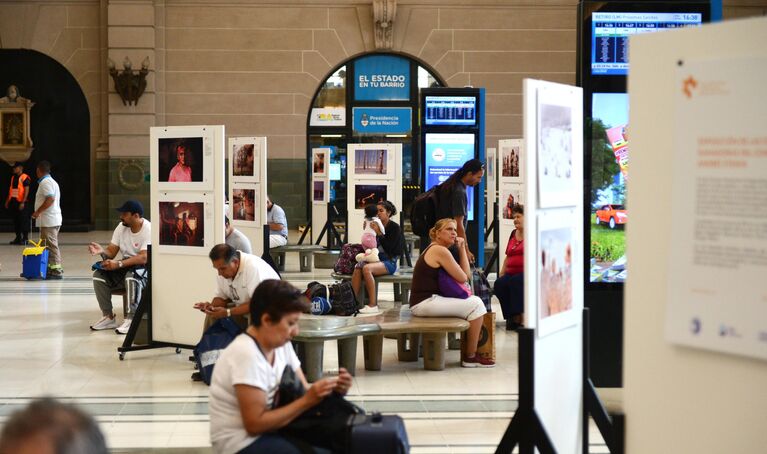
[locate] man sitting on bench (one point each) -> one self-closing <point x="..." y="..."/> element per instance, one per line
<point x="278" y="224"/>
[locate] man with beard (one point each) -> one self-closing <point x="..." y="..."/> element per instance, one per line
<point x="131" y="238"/>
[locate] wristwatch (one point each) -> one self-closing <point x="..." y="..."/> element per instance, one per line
<point x="228" y="312"/>
<point x="119" y="263"/>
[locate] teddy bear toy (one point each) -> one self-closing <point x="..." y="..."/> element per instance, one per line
<point x="369" y="256"/>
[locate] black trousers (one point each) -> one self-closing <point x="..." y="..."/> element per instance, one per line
<point x="20" y="219"/>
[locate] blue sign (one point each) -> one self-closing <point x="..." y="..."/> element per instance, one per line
<point x="446" y="153"/>
<point x="382" y="120"/>
<point x="382" y="78"/>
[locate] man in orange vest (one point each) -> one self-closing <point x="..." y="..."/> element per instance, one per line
<point x="16" y="203"/>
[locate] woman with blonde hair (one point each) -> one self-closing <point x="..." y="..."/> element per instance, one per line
<point x="425" y="295"/>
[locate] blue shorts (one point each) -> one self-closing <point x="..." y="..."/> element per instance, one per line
<point x="391" y="266"/>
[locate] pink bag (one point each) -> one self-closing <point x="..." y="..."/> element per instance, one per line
<point x="450" y="288"/>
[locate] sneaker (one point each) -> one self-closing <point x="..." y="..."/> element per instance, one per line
<point x="106" y="322"/>
<point x="477" y="361"/>
<point x="369" y="310"/>
<point x="54" y="277"/>
<point x="196" y="376"/>
<point x="123" y="329"/>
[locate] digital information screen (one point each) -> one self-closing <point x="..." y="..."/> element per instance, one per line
<point x="451" y="111"/>
<point x="446" y="153"/>
<point x="610" y="33"/>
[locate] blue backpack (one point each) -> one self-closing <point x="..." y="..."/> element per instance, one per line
<point x="213" y="342"/>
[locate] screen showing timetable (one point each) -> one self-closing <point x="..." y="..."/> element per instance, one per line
<point x="610" y="33"/>
<point x="451" y="110"/>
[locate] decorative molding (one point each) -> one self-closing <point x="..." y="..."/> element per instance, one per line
<point x="384" y="13"/>
<point x="128" y="181"/>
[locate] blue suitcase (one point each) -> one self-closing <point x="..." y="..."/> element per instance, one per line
<point x="34" y="261"/>
<point x="375" y="433"/>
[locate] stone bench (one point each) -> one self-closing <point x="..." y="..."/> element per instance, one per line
<point x="402" y="281"/>
<point x="314" y="330"/>
<point x="305" y="255"/>
<point x="326" y="259"/>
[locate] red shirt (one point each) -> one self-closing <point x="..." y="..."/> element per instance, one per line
<point x="515" y="255"/>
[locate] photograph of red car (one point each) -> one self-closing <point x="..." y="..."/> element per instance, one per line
<point x="612" y="215"/>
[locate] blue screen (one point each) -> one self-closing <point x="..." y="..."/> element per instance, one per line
<point x="446" y="153"/>
<point x="450" y="110"/>
<point x="610" y="34"/>
<point x="334" y="171"/>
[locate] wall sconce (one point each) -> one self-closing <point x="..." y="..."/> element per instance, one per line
<point x="129" y="84"/>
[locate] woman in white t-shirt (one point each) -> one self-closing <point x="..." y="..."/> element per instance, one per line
<point x="248" y="373"/>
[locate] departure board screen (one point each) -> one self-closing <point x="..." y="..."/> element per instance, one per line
<point x="610" y="34"/>
<point x="451" y="110"/>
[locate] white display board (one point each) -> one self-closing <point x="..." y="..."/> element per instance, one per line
<point x="511" y="190"/>
<point x="187" y="220"/>
<point x="374" y="173"/>
<point x="491" y="188"/>
<point x="247" y="188"/>
<point x="553" y="132"/>
<point x="320" y="175"/>
<point x="698" y="400"/>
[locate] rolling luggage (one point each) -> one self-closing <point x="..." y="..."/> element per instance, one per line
<point x="34" y="261"/>
<point x="375" y="433"/>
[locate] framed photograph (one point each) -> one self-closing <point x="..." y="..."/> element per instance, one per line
<point x="511" y="162"/>
<point x="318" y="193"/>
<point x="511" y="195"/>
<point x="320" y="162"/>
<point x="555" y="147"/>
<point x="368" y="194"/>
<point x="186" y="223"/>
<point x="490" y="164"/>
<point x="13" y="128"/>
<point x="557" y="267"/>
<point x="244" y="205"/>
<point x="184" y="158"/>
<point x="245" y="159"/>
<point x="372" y="162"/>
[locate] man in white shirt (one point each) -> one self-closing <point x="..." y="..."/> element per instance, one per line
<point x="47" y="215"/>
<point x="131" y="237"/>
<point x="278" y="224"/>
<point x="239" y="274"/>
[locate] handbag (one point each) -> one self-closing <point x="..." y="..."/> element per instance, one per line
<point x="481" y="287"/>
<point x="450" y="288"/>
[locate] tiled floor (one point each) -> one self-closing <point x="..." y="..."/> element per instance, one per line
<point x="147" y="401"/>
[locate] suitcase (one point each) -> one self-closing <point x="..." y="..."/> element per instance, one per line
<point x="375" y="433"/>
<point x="34" y="261"/>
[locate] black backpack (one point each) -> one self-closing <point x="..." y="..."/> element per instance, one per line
<point x="342" y="299"/>
<point x="423" y="215"/>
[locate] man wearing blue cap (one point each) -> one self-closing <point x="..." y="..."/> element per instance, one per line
<point x="131" y="238"/>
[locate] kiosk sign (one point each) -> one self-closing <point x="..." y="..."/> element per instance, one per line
<point x="382" y="120"/>
<point x="382" y="78"/>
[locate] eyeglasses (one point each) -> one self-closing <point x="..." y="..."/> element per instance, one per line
<point x="235" y="295"/>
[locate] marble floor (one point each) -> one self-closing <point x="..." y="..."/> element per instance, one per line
<point x="147" y="403"/>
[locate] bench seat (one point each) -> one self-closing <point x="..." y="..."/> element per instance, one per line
<point x="402" y="281"/>
<point x="305" y="255"/>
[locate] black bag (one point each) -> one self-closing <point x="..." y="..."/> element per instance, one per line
<point x="423" y="214"/>
<point x="314" y="288"/>
<point x="348" y="259"/>
<point x="326" y="425"/>
<point x="342" y="299"/>
<point x="373" y="434"/>
<point x="216" y="338"/>
<point x="481" y="287"/>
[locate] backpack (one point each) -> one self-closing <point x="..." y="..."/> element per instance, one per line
<point x="423" y="214"/>
<point x="315" y="289"/>
<point x="216" y="338"/>
<point x="348" y="258"/>
<point x="342" y="299"/>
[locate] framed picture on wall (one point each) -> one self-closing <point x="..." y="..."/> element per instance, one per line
<point x="244" y="159"/>
<point x="511" y="163"/>
<point x="369" y="194"/>
<point x="319" y="191"/>
<point x="244" y="205"/>
<point x="184" y="159"/>
<point x="320" y="162"/>
<point x="556" y="147"/>
<point x="511" y="195"/>
<point x="186" y="223"/>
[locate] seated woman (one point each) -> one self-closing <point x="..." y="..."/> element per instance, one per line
<point x="248" y="372"/>
<point x="425" y="298"/>
<point x="509" y="288"/>
<point x="390" y="246"/>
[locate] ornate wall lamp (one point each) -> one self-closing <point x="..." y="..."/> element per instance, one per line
<point x="129" y="84"/>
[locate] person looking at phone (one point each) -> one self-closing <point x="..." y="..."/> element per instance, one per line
<point x="131" y="237"/>
<point x="243" y="392"/>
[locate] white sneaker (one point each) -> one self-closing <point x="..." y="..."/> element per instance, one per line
<point x="106" y="322"/>
<point x="369" y="310"/>
<point x="123" y="329"/>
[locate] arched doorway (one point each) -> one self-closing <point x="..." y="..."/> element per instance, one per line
<point x="60" y="130"/>
<point x="331" y="119"/>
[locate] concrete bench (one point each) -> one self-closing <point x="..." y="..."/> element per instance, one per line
<point x="305" y="255"/>
<point x="410" y="239"/>
<point x="411" y="332"/>
<point x="314" y="330"/>
<point x="326" y="259"/>
<point x="402" y="281"/>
